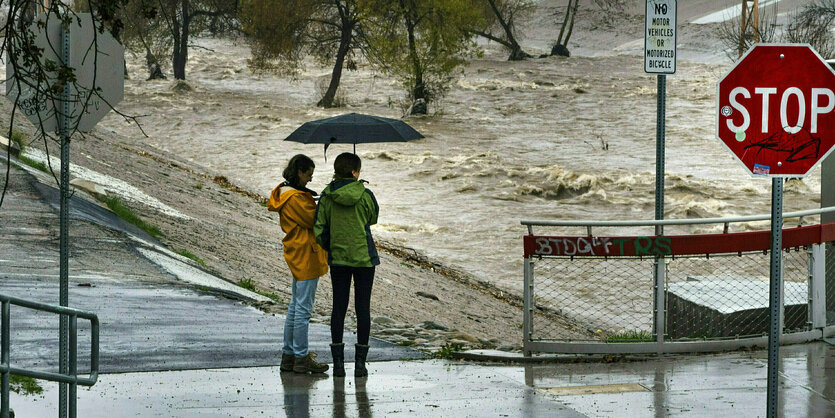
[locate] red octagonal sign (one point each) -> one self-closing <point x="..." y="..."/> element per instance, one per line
<point x="775" y="110"/>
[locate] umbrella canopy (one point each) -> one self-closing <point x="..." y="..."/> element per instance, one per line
<point x="353" y="128"/>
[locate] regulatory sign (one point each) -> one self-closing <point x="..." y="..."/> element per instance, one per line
<point x="774" y="110"/>
<point x="92" y="55"/>
<point x="660" y="37"/>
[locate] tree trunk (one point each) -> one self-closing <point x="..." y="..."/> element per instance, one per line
<point x="419" y="89"/>
<point x="181" y="42"/>
<point x="336" y="75"/>
<point x="571" y="25"/>
<point x="516" y="52"/>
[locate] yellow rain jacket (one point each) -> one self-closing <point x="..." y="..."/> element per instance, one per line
<point x="296" y="208"/>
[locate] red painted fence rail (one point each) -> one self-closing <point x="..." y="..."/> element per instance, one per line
<point x="673" y="245"/>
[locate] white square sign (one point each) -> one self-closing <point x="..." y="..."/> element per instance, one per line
<point x="660" y="37"/>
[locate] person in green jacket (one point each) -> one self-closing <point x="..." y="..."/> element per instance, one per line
<point x="345" y="213"/>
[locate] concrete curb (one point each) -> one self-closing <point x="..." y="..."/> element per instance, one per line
<point x="512" y="357"/>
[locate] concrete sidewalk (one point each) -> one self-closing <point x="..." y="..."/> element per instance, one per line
<point x="718" y="385"/>
<point x="177" y="341"/>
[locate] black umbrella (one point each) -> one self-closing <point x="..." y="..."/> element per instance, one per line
<point x="353" y="128"/>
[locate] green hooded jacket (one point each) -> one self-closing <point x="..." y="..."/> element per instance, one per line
<point x="344" y="216"/>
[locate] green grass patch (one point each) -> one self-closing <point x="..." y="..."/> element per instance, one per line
<point x="38" y="165"/>
<point x="188" y="254"/>
<point x="247" y="284"/>
<point x="125" y="213"/>
<point x="631" y="337"/>
<point x="19" y="138"/>
<point x="25" y="386"/>
<point x="406" y="343"/>
<point x="275" y="298"/>
<point x="264" y="204"/>
<point x="446" y="351"/>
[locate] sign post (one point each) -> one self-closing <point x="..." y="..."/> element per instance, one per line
<point x="660" y="59"/>
<point x="775" y="115"/>
<point x="97" y="61"/>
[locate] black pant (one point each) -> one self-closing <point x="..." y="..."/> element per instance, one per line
<point x="341" y="281"/>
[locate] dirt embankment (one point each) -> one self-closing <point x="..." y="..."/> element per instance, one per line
<point x="230" y="229"/>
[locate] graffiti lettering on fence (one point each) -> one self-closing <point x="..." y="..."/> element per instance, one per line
<point x="646" y="245"/>
<point x="573" y="246"/>
<point x="603" y="246"/>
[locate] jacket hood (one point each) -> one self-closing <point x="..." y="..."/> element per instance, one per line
<point x="346" y="192"/>
<point x="278" y="199"/>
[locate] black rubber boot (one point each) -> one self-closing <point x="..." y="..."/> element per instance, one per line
<point x="338" y="353"/>
<point x="359" y="365"/>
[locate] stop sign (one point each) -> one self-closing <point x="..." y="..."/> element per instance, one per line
<point x="775" y="110"/>
<point x="98" y="62"/>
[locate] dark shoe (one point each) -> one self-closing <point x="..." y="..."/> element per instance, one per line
<point x="359" y="364"/>
<point x="308" y="364"/>
<point x="338" y="353"/>
<point x="287" y="361"/>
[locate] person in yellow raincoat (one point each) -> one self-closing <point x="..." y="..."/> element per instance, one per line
<point x="307" y="261"/>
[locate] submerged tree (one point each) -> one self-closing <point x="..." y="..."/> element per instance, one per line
<point x="282" y="32"/>
<point x="498" y="23"/>
<point x="560" y="47"/>
<point x="421" y="43"/>
<point x="146" y="33"/>
<point x="182" y="18"/>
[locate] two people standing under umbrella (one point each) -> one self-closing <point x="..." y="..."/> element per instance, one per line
<point x="338" y="229"/>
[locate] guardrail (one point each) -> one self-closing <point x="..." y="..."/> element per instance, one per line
<point x="71" y="377"/>
<point x="673" y="293"/>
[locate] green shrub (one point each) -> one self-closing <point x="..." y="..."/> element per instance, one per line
<point x="19" y="138"/>
<point x="38" y="165"/>
<point x="247" y="284"/>
<point x="447" y="350"/>
<point x="189" y="255"/>
<point x="23" y="385"/>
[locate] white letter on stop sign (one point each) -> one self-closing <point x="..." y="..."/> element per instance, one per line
<point x="817" y="110"/>
<point x="801" y="110"/>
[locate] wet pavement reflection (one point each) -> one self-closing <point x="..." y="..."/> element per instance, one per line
<point x="725" y="384"/>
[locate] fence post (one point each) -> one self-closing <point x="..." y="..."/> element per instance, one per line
<point x="527" y="321"/>
<point x="817" y="286"/>
<point x="660" y="308"/>
<point x="73" y="366"/>
<point x="4" y="359"/>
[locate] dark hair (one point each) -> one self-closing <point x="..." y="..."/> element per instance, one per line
<point x="345" y="164"/>
<point x="299" y="162"/>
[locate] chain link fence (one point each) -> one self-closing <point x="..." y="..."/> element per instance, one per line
<point x="715" y="297"/>
<point x="611" y="297"/>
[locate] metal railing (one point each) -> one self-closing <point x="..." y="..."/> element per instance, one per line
<point x="71" y="377"/>
<point x="673" y="293"/>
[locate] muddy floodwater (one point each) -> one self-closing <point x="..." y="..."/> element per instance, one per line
<point x="544" y="139"/>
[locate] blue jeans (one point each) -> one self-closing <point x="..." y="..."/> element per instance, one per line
<point x="298" y="317"/>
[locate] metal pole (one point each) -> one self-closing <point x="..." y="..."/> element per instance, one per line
<point x="64" y="123"/>
<point x="527" y="315"/>
<point x="659" y="151"/>
<point x="658" y="284"/>
<point x="73" y="364"/>
<point x="4" y="360"/>
<point x="775" y="294"/>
